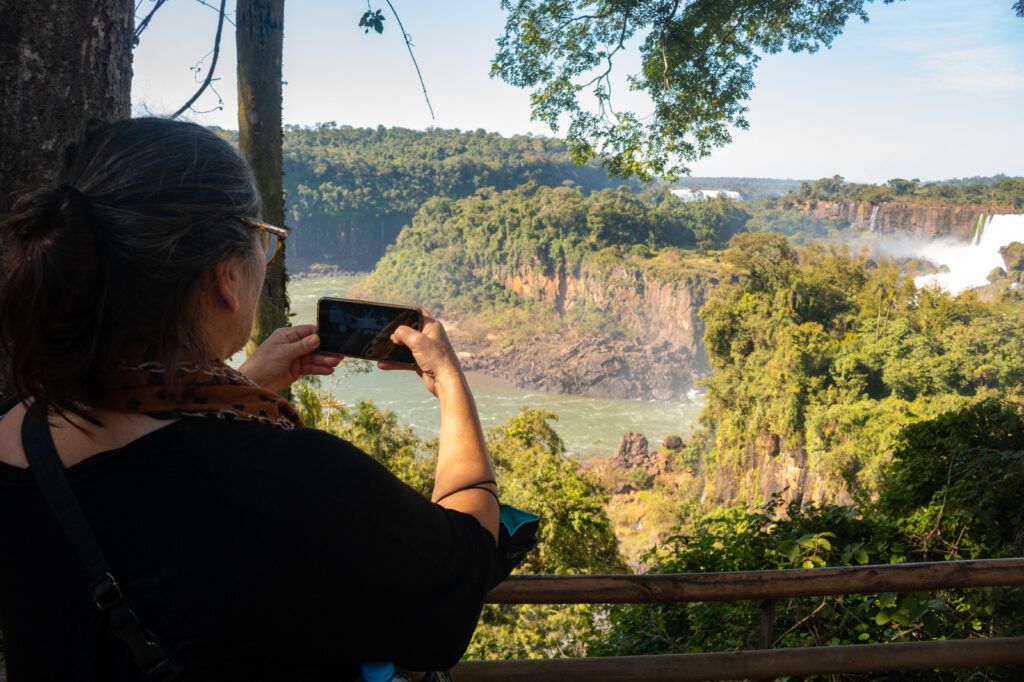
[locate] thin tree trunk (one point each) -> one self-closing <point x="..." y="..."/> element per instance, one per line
<point x="259" y="38"/>
<point x="62" y="62"/>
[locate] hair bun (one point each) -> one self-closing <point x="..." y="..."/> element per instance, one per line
<point x="38" y="213"/>
<point x="32" y="215"/>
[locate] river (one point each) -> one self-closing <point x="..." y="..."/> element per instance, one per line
<point x="589" y="426"/>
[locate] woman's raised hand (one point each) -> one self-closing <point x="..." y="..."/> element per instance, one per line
<point x="462" y="450"/>
<point x="435" y="358"/>
<point x="287" y="353"/>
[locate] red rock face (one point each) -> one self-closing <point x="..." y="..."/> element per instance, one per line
<point x="660" y="358"/>
<point x="932" y="220"/>
<point x="667" y="310"/>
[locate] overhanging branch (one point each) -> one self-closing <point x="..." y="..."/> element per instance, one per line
<point x="213" y="65"/>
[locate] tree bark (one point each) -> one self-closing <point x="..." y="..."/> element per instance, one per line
<point x="259" y="38"/>
<point x="61" y="62"/>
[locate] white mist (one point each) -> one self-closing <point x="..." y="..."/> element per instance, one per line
<point x="968" y="263"/>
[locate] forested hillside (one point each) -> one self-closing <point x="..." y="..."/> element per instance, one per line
<point x="351" y="190"/>
<point x="594" y="295"/>
<point x="456" y="251"/>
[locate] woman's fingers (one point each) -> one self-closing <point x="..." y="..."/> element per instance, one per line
<point x="285" y="354"/>
<point x="435" y="358"/>
<point x="318" y="363"/>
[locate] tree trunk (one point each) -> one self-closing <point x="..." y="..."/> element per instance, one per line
<point x="259" y="37"/>
<point x="62" y="62"/>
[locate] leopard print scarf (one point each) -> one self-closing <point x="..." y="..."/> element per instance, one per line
<point x="211" y="390"/>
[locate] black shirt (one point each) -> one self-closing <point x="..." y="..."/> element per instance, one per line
<point x="257" y="553"/>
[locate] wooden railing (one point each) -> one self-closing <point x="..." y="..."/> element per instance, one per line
<point x="765" y="586"/>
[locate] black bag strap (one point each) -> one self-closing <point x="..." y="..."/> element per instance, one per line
<point x="148" y="652"/>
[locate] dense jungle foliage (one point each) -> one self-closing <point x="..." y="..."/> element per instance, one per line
<point x="456" y="251"/>
<point x="823" y="356"/>
<point x="952" y="491"/>
<point x="998" y="192"/>
<point x="351" y="190"/>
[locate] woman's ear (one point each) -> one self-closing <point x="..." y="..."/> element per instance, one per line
<point x="229" y="277"/>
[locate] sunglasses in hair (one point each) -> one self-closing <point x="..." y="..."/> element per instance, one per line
<point x="271" y="236"/>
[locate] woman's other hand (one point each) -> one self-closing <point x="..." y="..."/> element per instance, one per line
<point x="435" y="358"/>
<point x="287" y="353"/>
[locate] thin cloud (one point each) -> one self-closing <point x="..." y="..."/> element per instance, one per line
<point x="989" y="70"/>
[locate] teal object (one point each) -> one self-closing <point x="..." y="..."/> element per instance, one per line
<point x="380" y="672"/>
<point x="513" y="519"/>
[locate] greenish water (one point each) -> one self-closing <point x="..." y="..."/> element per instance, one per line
<point x="589" y="426"/>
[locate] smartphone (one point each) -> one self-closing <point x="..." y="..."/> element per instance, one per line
<point x="362" y="329"/>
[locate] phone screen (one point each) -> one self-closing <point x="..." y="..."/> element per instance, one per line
<point x="361" y="329"/>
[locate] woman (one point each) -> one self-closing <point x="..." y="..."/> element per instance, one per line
<point x="253" y="548"/>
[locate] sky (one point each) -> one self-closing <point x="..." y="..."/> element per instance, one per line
<point x="928" y="89"/>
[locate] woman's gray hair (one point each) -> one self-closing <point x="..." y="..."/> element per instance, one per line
<point x="116" y="254"/>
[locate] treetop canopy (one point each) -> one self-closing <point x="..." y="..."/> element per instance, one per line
<point x="697" y="56"/>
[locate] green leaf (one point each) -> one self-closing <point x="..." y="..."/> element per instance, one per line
<point x="887" y="599"/>
<point x="788" y="549"/>
<point x="917" y="612"/>
<point x="374" y="20"/>
<point x="807" y="541"/>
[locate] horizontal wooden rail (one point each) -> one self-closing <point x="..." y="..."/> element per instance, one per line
<point x="744" y="585"/>
<point x="776" y="584"/>
<point x="738" y="665"/>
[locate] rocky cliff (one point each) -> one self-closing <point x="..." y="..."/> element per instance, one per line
<point x="665" y="312"/>
<point x="763" y="469"/>
<point x="930" y="220"/>
<point x="659" y="357"/>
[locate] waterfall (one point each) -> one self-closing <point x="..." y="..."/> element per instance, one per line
<point x="969" y="264"/>
<point x="980" y="227"/>
<point x="874" y="216"/>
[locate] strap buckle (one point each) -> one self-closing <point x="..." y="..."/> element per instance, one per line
<point x="163" y="670"/>
<point x="106" y="593"/>
<point x="156" y="661"/>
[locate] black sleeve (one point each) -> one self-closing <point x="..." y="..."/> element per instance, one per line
<point x="380" y="572"/>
